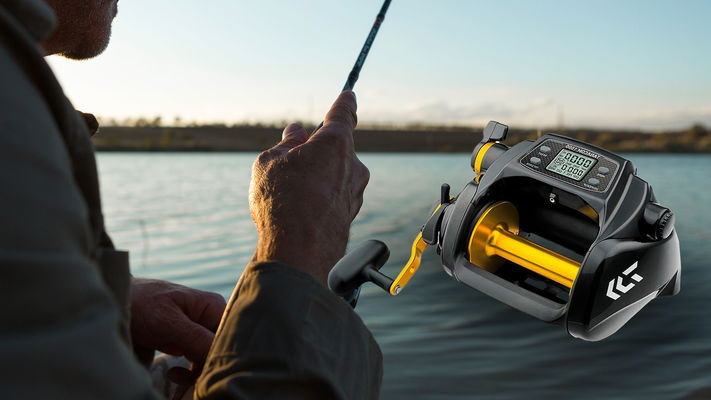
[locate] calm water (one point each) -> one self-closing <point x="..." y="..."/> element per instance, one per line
<point x="185" y="219"/>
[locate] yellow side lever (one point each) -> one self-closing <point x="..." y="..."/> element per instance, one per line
<point x="418" y="246"/>
<point x="413" y="264"/>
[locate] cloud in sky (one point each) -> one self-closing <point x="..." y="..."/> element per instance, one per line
<point x="540" y="111"/>
<point x="444" y="111"/>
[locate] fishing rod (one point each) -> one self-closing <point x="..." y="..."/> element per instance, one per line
<point x="355" y="72"/>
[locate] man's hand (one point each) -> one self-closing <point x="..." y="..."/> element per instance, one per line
<point x="174" y="319"/>
<point x="306" y="191"/>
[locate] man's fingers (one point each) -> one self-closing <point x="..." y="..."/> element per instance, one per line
<point x="343" y="113"/>
<point x="293" y="135"/>
<point x="194" y="340"/>
<point x="212" y="314"/>
<point x="196" y="318"/>
<point x="204" y="308"/>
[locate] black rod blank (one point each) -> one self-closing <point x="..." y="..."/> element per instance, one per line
<point x="355" y="72"/>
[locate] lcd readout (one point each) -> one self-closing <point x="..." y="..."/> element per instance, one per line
<point x="571" y="164"/>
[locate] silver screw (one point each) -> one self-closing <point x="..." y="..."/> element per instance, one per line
<point x="398" y="289"/>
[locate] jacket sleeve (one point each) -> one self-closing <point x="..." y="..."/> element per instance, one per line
<point x="285" y="336"/>
<point x="59" y="325"/>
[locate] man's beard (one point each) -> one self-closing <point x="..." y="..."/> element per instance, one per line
<point x="89" y="47"/>
<point x="95" y="35"/>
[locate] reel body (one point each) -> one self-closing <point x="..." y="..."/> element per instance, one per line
<point x="559" y="229"/>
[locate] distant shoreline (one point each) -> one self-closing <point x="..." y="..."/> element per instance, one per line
<point x="696" y="139"/>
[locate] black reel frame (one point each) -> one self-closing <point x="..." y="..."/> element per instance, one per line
<point x="623" y="239"/>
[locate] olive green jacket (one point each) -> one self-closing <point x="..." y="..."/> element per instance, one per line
<point x="64" y="288"/>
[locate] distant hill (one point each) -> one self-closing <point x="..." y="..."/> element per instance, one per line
<point x="696" y="139"/>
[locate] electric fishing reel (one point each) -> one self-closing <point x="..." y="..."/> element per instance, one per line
<point x="557" y="228"/>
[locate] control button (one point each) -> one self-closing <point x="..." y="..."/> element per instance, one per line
<point x="659" y="221"/>
<point x="545" y="149"/>
<point x="594" y="181"/>
<point x="535" y="161"/>
<point x="603" y="170"/>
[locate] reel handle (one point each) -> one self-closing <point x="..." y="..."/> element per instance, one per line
<point x="359" y="266"/>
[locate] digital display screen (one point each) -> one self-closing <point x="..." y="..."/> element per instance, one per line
<point x="571" y="164"/>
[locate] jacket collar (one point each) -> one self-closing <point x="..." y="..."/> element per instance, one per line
<point x="38" y="19"/>
<point x="35" y="16"/>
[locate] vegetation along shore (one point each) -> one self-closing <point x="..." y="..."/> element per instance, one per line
<point x="695" y="139"/>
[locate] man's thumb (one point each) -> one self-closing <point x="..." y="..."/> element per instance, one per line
<point x="343" y="111"/>
<point x="293" y="135"/>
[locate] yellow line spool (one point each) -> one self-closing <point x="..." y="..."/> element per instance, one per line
<point x="495" y="239"/>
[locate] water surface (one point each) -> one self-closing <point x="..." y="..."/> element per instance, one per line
<point x="185" y="218"/>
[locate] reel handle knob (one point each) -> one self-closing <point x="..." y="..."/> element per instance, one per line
<point x="359" y="266"/>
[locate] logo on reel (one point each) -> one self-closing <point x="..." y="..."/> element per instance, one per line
<point x="613" y="288"/>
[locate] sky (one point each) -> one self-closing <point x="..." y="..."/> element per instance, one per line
<point x="619" y="64"/>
